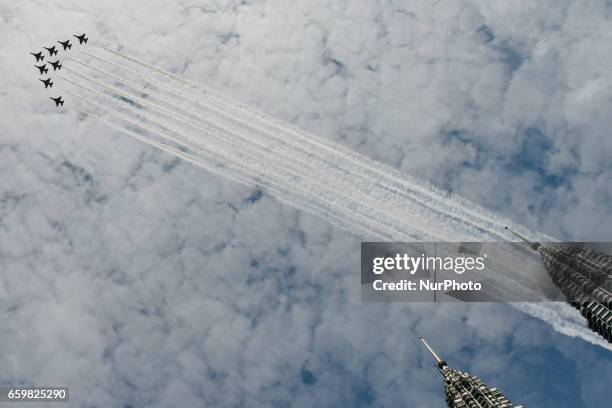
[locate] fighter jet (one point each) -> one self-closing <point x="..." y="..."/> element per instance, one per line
<point x="58" y="101"/>
<point x="56" y="65"/>
<point x="38" y="56"/>
<point x="42" y="69"/>
<point x="47" y="82"/>
<point x="66" y="44"/>
<point x="52" y="51"/>
<point x="82" y="38"/>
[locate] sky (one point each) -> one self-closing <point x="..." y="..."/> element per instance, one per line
<point x="139" y="280"/>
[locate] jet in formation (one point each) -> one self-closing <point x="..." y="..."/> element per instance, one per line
<point x="58" y="101"/>
<point x="39" y="56"/>
<point x="42" y="69"/>
<point x="47" y="82"/>
<point x="56" y="65"/>
<point x="66" y="44"/>
<point x="52" y="51"/>
<point x="82" y="39"/>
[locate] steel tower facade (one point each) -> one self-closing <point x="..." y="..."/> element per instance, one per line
<point x="463" y="390"/>
<point x="584" y="276"/>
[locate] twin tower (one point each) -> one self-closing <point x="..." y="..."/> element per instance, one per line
<point x="463" y="390"/>
<point x="584" y="276"/>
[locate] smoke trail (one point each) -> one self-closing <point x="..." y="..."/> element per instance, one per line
<point x="237" y="155"/>
<point x="396" y="207"/>
<point x="356" y="164"/>
<point x="462" y="214"/>
<point x="244" y="157"/>
<point x="332" y="162"/>
<point x="274" y="168"/>
<point x="383" y="210"/>
<point x="233" y="174"/>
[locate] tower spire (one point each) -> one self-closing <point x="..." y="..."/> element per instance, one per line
<point x="463" y="390"/>
<point x="583" y="276"/>
<point x="439" y="362"/>
<point x="535" y="245"/>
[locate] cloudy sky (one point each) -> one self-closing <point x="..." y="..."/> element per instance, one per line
<point x="139" y="280"/>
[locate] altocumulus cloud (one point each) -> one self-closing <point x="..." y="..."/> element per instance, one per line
<point x="139" y="280"/>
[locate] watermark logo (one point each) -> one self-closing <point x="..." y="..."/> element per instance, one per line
<point x="473" y="272"/>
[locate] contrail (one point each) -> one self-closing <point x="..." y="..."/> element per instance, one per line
<point x="219" y="169"/>
<point x="502" y="280"/>
<point x="358" y="202"/>
<point x="410" y="196"/>
<point x="365" y="223"/>
<point x="308" y="172"/>
<point x="484" y="222"/>
<point x="388" y="211"/>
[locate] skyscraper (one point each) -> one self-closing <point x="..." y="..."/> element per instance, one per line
<point x="584" y="276"/>
<point x="463" y="390"/>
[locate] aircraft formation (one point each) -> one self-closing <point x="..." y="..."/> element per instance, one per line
<point x="56" y="65"/>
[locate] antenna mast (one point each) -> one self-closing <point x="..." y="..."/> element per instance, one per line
<point x="535" y="245"/>
<point x="441" y="363"/>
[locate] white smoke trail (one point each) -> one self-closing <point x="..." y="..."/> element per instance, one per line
<point x="281" y="168"/>
<point x="457" y="211"/>
<point x="395" y="201"/>
<point x="267" y="167"/>
<point x="419" y="210"/>
<point x="390" y="209"/>
<point x="208" y="163"/>
<point x="256" y="169"/>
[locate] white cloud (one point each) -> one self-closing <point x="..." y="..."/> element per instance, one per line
<point x="132" y="284"/>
